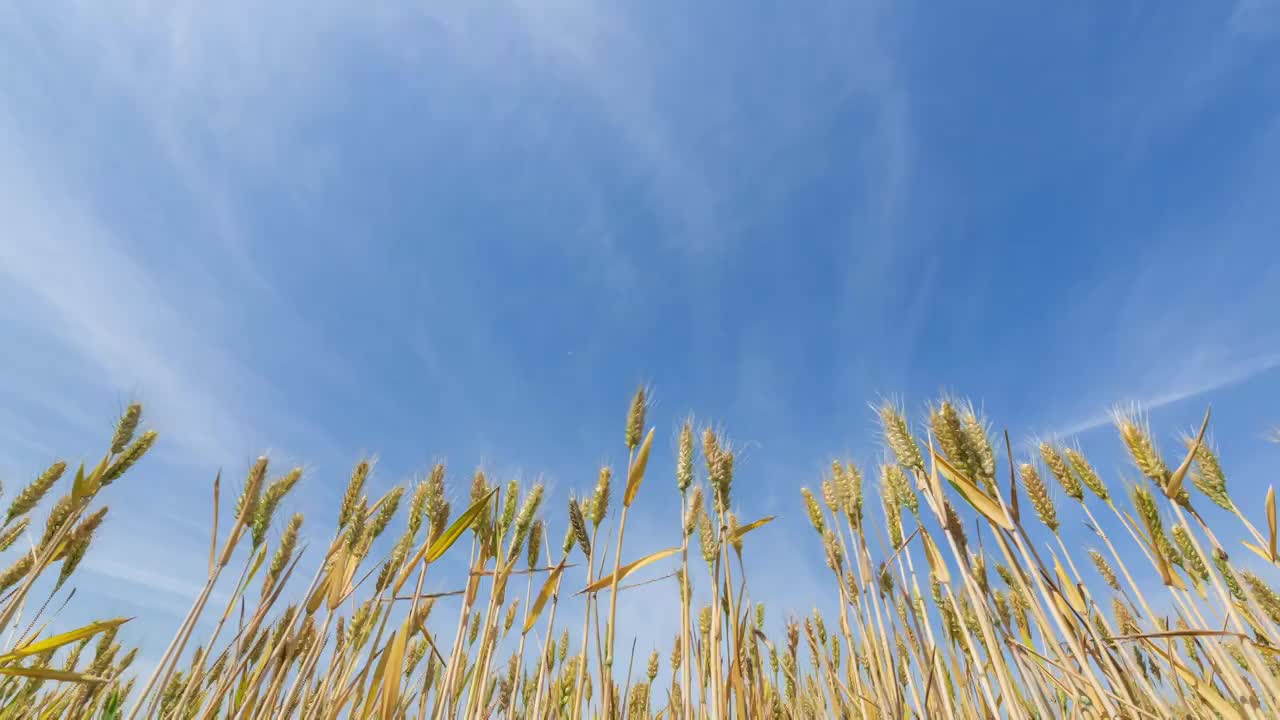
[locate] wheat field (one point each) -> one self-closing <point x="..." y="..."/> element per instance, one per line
<point x="958" y="597"/>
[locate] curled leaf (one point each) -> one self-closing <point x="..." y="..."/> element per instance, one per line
<point x="982" y="502"/>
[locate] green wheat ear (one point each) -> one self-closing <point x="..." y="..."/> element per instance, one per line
<point x="113" y="706"/>
<point x="536" y="532"/>
<point x="707" y="539"/>
<point x="684" y="457"/>
<point x="33" y="493"/>
<point x="694" y="510"/>
<point x="851" y="482"/>
<point x="977" y="438"/>
<point x="1142" y="449"/>
<point x="1207" y="475"/>
<point x="579" y="526"/>
<point x="418" y="506"/>
<point x="813" y="509"/>
<point x="1085" y="472"/>
<point x="598" y="507"/>
<point x="898" y="437"/>
<point x="125" y="428"/>
<point x="266" y="509"/>
<point x="355" y="489"/>
<point x="509" y="500"/>
<point x="1039" y="495"/>
<point x="635" y="418"/>
<point x="288" y="657"/>
<point x="945" y="423"/>
<point x="1061" y="471"/>
<point x="1104" y="569"/>
<point x="892" y="515"/>
<point x="10" y="536"/>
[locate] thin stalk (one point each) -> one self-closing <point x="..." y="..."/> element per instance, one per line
<point x="586" y="626"/>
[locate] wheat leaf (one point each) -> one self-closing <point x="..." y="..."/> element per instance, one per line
<point x="636" y="476"/>
<point x="549" y="587"/>
<point x="391" y="673"/>
<point x="40" y="673"/>
<point x="1271" y="519"/>
<point x="626" y="570"/>
<point x="65" y="638"/>
<point x="743" y="530"/>
<point x="446" y="540"/>
<point x="936" y="564"/>
<point x="1174" y="486"/>
<point x="980" y="501"/>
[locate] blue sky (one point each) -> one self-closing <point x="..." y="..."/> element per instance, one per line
<point x="468" y="230"/>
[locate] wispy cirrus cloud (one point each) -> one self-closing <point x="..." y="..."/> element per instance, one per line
<point x="1217" y="378"/>
<point x="100" y="310"/>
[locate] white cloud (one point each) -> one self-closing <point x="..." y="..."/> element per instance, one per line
<point x="102" y="306"/>
<point x="599" y="49"/>
<point x="1256" y="17"/>
<point x="1219" y="378"/>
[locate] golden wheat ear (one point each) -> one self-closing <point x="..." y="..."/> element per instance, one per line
<point x="915" y="626"/>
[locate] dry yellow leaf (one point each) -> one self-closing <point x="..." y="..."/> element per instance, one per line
<point x="983" y="503"/>
<point x="936" y="563"/>
<point x="548" y="588"/>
